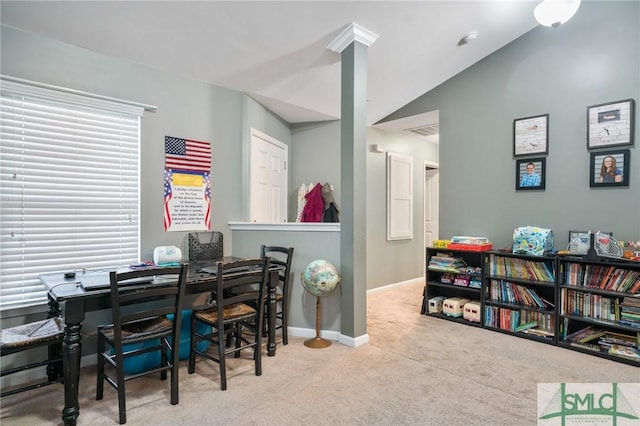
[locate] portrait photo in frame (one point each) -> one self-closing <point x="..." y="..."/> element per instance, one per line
<point x="530" y="174"/>
<point x="531" y="135"/>
<point x="609" y="168"/>
<point x="610" y="124"/>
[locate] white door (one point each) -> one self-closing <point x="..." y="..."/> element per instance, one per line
<point x="268" y="180"/>
<point x="431" y="203"/>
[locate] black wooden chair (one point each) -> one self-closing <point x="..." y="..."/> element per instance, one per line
<point x="236" y="312"/>
<point x="281" y="256"/>
<point x="145" y="323"/>
<point x="27" y="337"/>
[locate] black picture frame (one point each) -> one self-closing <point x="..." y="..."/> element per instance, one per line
<point x="531" y="135"/>
<point x="539" y="165"/>
<point x="622" y="161"/>
<point x="610" y="124"/>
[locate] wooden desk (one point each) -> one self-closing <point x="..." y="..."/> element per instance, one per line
<point x="77" y="302"/>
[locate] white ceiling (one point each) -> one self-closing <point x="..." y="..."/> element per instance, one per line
<point x="277" y="51"/>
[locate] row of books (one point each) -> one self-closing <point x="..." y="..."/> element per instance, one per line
<point x="601" y="340"/>
<point x="521" y="268"/>
<point x="603" y="277"/>
<point x="630" y="311"/>
<point x="447" y="263"/>
<point x="528" y="322"/>
<point x="504" y="291"/>
<point x="591" y="305"/>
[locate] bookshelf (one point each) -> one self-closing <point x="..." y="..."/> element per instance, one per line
<point x="519" y="295"/>
<point x="599" y="311"/>
<point x="453" y="273"/>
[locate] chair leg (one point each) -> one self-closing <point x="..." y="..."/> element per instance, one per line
<point x="222" y="362"/>
<point x="122" y="405"/>
<point x="192" y="346"/>
<point x="257" y="353"/>
<point x="175" y="363"/>
<point x="164" y="351"/>
<point x="238" y="338"/>
<point x="100" y="366"/>
<point x="285" y="322"/>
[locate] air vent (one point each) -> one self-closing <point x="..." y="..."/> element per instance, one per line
<point x="430" y="130"/>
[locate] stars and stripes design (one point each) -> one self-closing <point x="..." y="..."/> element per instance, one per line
<point x="168" y="175"/>
<point x="207" y="198"/>
<point x="185" y="154"/>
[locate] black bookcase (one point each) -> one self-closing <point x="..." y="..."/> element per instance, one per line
<point x="519" y="295"/>
<point x="463" y="282"/>
<point x="596" y="312"/>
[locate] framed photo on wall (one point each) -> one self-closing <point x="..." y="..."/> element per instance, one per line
<point x="530" y="174"/>
<point x="609" y="168"/>
<point x="610" y="124"/>
<point x="531" y="135"/>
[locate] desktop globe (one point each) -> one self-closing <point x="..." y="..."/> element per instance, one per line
<point x="319" y="278"/>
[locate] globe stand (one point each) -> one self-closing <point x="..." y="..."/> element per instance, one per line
<point x="317" y="342"/>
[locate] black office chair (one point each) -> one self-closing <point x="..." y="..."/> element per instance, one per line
<point x="146" y="323"/>
<point x="281" y="256"/>
<point x="26" y="337"/>
<point x="236" y="312"/>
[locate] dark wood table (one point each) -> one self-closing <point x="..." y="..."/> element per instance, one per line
<point x="78" y="301"/>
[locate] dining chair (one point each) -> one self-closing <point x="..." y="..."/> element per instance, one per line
<point x="142" y="328"/>
<point x="281" y="256"/>
<point x="23" y="339"/>
<point x="238" y="310"/>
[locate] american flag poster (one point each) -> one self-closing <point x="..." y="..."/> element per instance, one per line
<point x="187" y="185"/>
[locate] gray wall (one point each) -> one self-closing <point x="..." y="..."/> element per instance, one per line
<point x="592" y="59"/>
<point x="186" y="108"/>
<point x="325" y="245"/>
<point x="316" y="157"/>
<point x="400" y="260"/>
<point x="189" y="108"/>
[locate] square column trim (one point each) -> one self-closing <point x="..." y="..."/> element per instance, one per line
<point x="351" y="33"/>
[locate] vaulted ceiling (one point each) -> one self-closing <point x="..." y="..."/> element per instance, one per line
<point x="276" y="52"/>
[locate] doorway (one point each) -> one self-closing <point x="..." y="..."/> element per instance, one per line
<point x="268" y="180"/>
<point x="431" y="205"/>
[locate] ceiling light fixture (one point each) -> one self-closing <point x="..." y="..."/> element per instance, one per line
<point x="553" y="13"/>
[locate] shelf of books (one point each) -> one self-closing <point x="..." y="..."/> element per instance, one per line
<point x="600" y="308"/>
<point x="520" y="295"/>
<point x="453" y="288"/>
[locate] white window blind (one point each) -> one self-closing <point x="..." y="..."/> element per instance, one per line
<point x="69" y="187"/>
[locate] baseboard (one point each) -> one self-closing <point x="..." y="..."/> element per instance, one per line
<point x="396" y="285"/>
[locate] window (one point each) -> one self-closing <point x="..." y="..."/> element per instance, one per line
<point x="69" y="186"/>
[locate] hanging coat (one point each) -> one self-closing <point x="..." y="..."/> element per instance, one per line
<point x="314" y="207"/>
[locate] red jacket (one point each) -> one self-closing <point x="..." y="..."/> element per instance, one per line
<point x="314" y="207"/>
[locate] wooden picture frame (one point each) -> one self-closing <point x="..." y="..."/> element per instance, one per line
<point x="531" y="135"/>
<point x="618" y="174"/>
<point x="527" y="179"/>
<point x="610" y="124"/>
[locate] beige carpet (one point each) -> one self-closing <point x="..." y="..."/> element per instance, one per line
<point x="416" y="370"/>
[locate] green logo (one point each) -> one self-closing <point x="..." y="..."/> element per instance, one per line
<point x="600" y="399"/>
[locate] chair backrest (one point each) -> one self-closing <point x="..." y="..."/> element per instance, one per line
<point x="234" y="278"/>
<point x="281" y="256"/>
<point x="166" y="291"/>
<point x="205" y="246"/>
